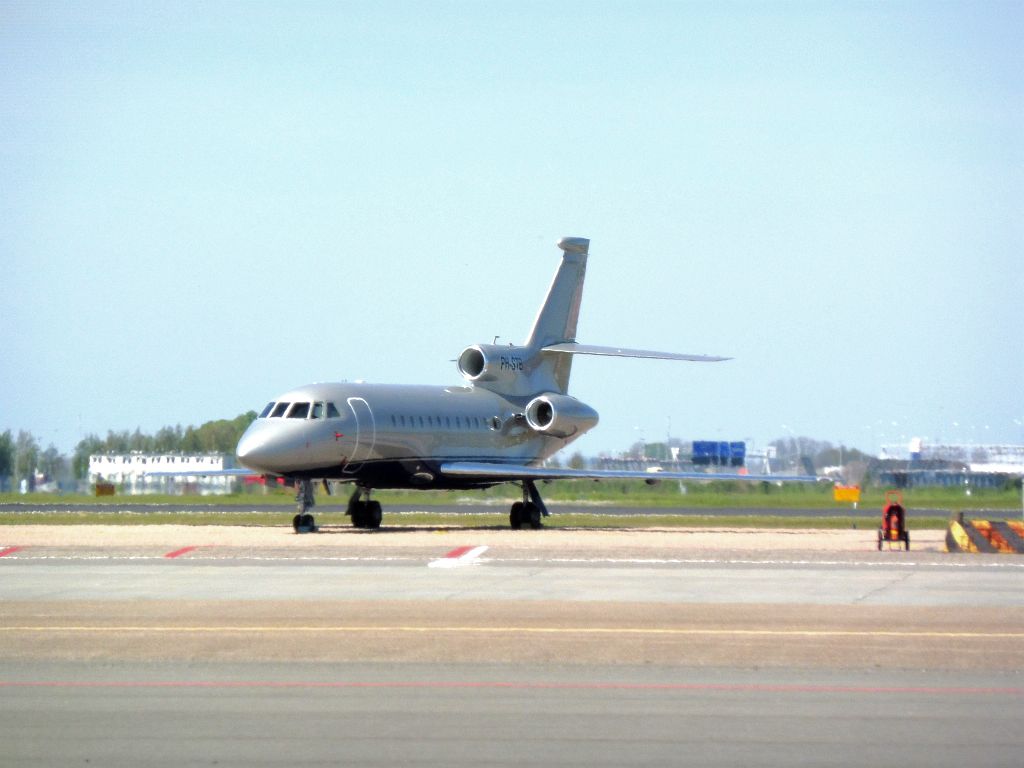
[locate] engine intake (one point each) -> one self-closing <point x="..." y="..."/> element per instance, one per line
<point x="560" y="415"/>
<point x="490" y="363"/>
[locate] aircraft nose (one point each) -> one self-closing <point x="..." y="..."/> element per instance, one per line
<point x="255" y="451"/>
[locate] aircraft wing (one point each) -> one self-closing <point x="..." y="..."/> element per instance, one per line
<point x="572" y="348"/>
<point x="494" y="471"/>
<point x="238" y="472"/>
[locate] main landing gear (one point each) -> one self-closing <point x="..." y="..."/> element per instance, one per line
<point x="364" y="513"/>
<point x="304" y="521"/>
<point x="530" y="510"/>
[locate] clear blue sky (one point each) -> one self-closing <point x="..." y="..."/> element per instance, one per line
<point x="202" y="205"/>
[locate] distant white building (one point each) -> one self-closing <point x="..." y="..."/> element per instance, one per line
<point x="131" y="472"/>
<point x="975" y="457"/>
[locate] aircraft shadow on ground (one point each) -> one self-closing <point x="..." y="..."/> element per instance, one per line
<point x="342" y="529"/>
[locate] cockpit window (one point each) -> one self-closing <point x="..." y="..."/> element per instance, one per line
<point x="299" y="411"/>
<point x="332" y="412"/>
<point x="279" y="410"/>
<point x="318" y="411"/>
<point x="267" y="410"/>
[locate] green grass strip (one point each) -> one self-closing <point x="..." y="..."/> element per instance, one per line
<point x="667" y="495"/>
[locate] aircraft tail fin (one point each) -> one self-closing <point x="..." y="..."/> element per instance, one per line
<point x="556" y="321"/>
<point x="559" y="314"/>
<point x="544" y="363"/>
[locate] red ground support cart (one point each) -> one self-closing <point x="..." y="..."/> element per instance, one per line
<point x="894" y="521"/>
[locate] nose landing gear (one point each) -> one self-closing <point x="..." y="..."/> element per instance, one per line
<point x="304" y="522"/>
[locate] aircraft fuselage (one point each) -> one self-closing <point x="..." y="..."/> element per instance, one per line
<point x="391" y="436"/>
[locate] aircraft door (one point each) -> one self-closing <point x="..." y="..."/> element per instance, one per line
<point x="366" y="434"/>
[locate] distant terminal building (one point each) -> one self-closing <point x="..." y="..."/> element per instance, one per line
<point x="950" y="464"/>
<point x="129" y="472"/>
<point x="978" y="458"/>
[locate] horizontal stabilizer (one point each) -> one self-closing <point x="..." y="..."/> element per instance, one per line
<point x="572" y="348"/>
<point x="493" y="471"/>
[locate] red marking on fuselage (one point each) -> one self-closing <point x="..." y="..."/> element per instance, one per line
<point x="179" y="552"/>
<point x="9" y="551"/>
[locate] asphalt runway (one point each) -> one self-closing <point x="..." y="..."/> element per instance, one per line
<point x="499" y="715"/>
<point x="501" y="648"/>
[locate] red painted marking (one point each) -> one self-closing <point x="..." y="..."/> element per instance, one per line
<point x="496" y="684"/>
<point x="337" y="435"/>
<point x="179" y="552"/>
<point x="9" y="551"/>
<point x="459" y="552"/>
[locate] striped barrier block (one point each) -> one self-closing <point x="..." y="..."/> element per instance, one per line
<point x="986" y="536"/>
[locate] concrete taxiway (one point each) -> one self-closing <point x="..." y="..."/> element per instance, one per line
<point x="168" y="645"/>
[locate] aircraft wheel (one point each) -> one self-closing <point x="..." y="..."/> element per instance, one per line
<point x="359" y="514"/>
<point x="374" y="515"/>
<point x="531" y="513"/>
<point x="297" y="522"/>
<point x="515" y="517"/>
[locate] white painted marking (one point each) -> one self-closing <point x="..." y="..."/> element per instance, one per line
<point x="969" y="561"/>
<point x="732" y="561"/>
<point x="469" y="557"/>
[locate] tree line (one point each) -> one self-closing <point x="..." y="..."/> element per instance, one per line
<point x="21" y="457"/>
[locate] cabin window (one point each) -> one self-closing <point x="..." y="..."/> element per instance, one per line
<point x="421" y="422"/>
<point x="495" y="423"/>
<point x="448" y="422"/>
<point x="279" y="410"/>
<point x="299" y="411"/>
<point x="332" y="412"/>
<point x="401" y="420"/>
<point x="318" y="411"/>
<point x="266" y="411"/>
